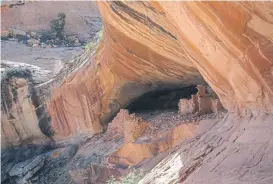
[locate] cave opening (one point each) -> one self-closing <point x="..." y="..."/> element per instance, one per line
<point x="159" y="100"/>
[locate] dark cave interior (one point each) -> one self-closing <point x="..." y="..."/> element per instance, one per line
<point x="161" y="99"/>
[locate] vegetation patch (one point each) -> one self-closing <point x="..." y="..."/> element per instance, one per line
<point x="6" y="76"/>
<point x="93" y="45"/>
<point x="213" y="95"/>
<point x="57" y="25"/>
<point x="55" y="37"/>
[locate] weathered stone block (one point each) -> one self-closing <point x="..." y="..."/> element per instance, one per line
<point x="186" y="106"/>
<point x="205" y="104"/>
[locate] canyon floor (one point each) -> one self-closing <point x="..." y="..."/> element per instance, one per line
<point x="47" y="61"/>
<point x="85" y="159"/>
<point x="123" y="92"/>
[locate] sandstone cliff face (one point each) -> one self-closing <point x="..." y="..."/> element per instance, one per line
<point x="152" y="45"/>
<point x="20" y="124"/>
<point x="231" y="45"/>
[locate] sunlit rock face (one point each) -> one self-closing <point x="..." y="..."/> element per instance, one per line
<point x="153" y="45"/>
<point x="19" y="121"/>
<point x="231" y="45"/>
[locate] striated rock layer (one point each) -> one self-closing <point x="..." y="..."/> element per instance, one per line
<point x="19" y="121"/>
<point x="154" y="45"/>
<point x="231" y="45"/>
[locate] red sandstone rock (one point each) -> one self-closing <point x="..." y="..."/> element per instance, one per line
<point x="152" y="43"/>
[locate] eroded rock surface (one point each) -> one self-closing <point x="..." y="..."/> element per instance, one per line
<point x="234" y="150"/>
<point x="19" y="120"/>
<point x="25" y="170"/>
<point x="152" y="45"/>
<point x="133" y="153"/>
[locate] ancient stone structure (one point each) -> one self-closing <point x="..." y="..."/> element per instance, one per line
<point x="201" y="103"/>
<point x="156" y="45"/>
<point x="133" y="127"/>
<point x="216" y="106"/>
<point x="187" y="106"/>
<point x="150" y="45"/>
<point x="126" y="125"/>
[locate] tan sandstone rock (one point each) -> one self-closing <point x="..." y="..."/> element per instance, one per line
<point x="150" y="45"/>
<point x="133" y="153"/>
<point x="19" y="125"/>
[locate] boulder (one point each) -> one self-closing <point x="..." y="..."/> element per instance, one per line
<point x="26" y="169"/>
<point x="20" y="82"/>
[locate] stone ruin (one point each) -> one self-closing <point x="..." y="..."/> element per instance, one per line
<point x="126" y="125"/>
<point x="200" y="103"/>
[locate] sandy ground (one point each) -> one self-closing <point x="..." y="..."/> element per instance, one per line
<point x="50" y="60"/>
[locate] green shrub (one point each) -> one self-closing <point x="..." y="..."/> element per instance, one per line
<point x="94" y="44"/>
<point x="16" y="72"/>
<point x="6" y="99"/>
<point x="57" y="25"/>
<point x="213" y="95"/>
<point x="132" y="178"/>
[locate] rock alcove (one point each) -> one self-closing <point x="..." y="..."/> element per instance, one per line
<point x="161" y="99"/>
